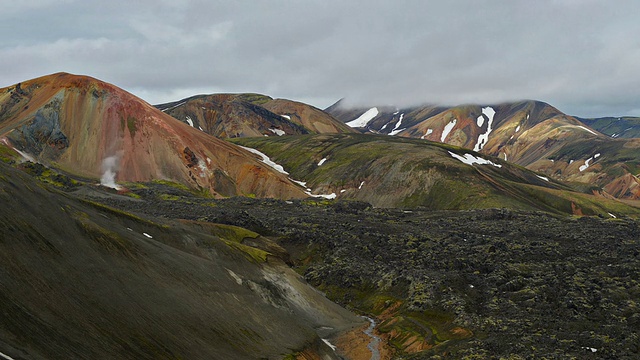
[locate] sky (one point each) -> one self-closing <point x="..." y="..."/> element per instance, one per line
<point x="581" y="56"/>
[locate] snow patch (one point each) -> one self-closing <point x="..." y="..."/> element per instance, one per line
<point x="286" y="117"/>
<point x="189" y="121"/>
<point x="518" y="128"/>
<point x="361" y="184"/>
<point x="586" y="164"/>
<point x="505" y="156"/>
<point x="301" y="183"/>
<point x="364" y="119"/>
<point x="470" y="160"/>
<point x="543" y="177"/>
<point x="584" y="128"/>
<point x="343" y="190"/>
<point x="6" y="356"/>
<point x="596" y="156"/>
<point x="173" y="107"/>
<point x="330" y="196"/>
<point x="266" y="160"/>
<point x="480" y="121"/>
<point x="613" y="216"/>
<point x="147" y="235"/>
<point x="322" y="161"/>
<point x="333" y="347"/>
<point x="200" y="127"/>
<point x="484" y="138"/>
<point x="429" y="132"/>
<point x="277" y="132"/>
<point x="447" y="129"/>
<point x="395" y="129"/>
<point x="570" y="162"/>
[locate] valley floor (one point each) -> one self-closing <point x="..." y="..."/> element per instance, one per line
<point x="454" y="284"/>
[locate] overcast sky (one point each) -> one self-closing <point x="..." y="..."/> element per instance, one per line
<point x="582" y="56"/>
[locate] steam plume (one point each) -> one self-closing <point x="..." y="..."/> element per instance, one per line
<point x="109" y="168"/>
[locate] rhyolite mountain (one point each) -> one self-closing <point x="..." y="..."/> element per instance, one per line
<point x="528" y="133"/>
<point x="408" y="173"/>
<point x="82" y="280"/>
<point x="90" y="128"/>
<point x="246" y="115"/>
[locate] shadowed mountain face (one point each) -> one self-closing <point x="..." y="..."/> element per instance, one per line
<point x="92" y="129"/>
<point x="616" y="127"/>
<point x="528" y="133"/>
<point x="246" y="115"/>
<point x="81" y="280"/>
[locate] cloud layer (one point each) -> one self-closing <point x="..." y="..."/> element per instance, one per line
<point x="581" y="56"/>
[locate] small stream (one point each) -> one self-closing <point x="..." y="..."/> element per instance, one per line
<point x="375" y="340"/>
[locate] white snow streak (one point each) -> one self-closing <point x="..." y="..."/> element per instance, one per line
<point x="484" y="138"/>
<point x="447" y="129"/>
<point x="586" y="164"/>
<point x="333" y="347"/>
<point x="189" y="121"/>
<point x="173" y="107"/>
<point x="470" y="160"/>
<point x="429" y="132"/>
<point x="518" y="128"/>
<point x="266" y="160"/>
<point x="361" y="184"/>
<point x="364" y="119"/>
<point x="6" y="356"/>
<point x="613" y="216"/>
<point x="543" y="178"/>
<point x="277" y="132"/>
<point x="395" y="129"/>
<point x="147" y="235"/>
<point x="480" y="120"/>
<point x="322" y="161"/>
<point x="301" y="183"/>
<point x="330" y="196"/>
<point x="286" y="117"/>
<point x="596" y="155"/>
<point x="584" y="128"/>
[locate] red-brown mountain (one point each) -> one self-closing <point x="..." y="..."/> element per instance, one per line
<point x="90" y="128"/>
<point x="247" y="115"/>
<point x="528" y="133"/>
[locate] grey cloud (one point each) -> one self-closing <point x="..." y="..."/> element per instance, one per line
<point x="581" y="56"/>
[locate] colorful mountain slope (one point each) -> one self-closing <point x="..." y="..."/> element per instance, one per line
<point x="529" y="133"/>
<point x="400" y="172"/>
<point x="90" y="128"/>
<point x="246" y="115"/>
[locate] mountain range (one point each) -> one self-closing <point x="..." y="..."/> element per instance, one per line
<point x="173" y="231"/>
<point x="528" y="133"/>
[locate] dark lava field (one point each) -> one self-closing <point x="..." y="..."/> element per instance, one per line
<point x="447" y="284"/>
